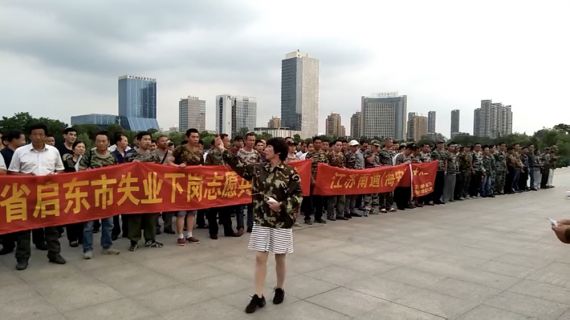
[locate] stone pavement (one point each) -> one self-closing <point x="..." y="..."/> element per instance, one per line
<point x="477" y="259"/>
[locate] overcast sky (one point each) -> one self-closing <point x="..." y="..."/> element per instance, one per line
<point x="62" y="58"/>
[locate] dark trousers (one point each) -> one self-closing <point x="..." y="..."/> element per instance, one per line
<point x="386" y="200"/>
<point x="23" y="247"/>
<point x="544" y="179"/>
<point x="475" y="185"/>
<point x="438" y="188"/>
<point x="201" y="219"/>
<point x="317" y="206"/>
<point x="459" y="185"/>
<point x="147" y="222"/>
<point x="75" y="232"/>
<point x="117" y="226"/>
<point x="224" y="214"/>
<point x="38" y="236"/>
<point x="466" y="183"/>
<point x="402" y="197"/>
<point x="521" y="179"/>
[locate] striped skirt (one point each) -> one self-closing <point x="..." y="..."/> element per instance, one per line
<point x="275" y="240"/>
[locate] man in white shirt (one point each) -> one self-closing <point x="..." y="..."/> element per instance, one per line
<point x="2" y="165"/>
<point x="37" y="159"/>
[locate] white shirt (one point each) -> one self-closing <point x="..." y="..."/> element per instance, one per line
<point x="2" y="163"/>
<point x="43" y="162"/>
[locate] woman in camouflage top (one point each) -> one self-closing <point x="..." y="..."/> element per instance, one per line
<point x="276" y="197"/>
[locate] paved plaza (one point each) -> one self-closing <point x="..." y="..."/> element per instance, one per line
<point x="478" y="259"/>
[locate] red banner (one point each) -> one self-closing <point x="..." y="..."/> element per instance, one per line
<point x="29" y="202"/>
<point x="303" y="167"/>
<point x="423" y="178"/>
<point x="332" y="181"/>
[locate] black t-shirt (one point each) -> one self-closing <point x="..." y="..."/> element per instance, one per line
<point x="7" y="153"/>
<point x="63" y="150"/>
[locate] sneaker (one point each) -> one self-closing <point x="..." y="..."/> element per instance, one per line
<point x="383" y="210"/>
<point x="320" y="221"/>
<point x="134" y="246"/>
<point x="279" y="296"/>
<point x="331" y="218"/>
<point x="110" y="252"/>
<point x="256" y="302"/>
<point x="192" y="240"/>
<point x="22" y="265"/>
<point x="393" y="209"/>
<point x="74" y="244"/>
<point x="153" y="244"/>
<point x="356" y="214"/>
<point x="88" y="255"/>
<point x="341" y="218"/>
<point x="181" y="242"/>
<point x="57" y="259"/>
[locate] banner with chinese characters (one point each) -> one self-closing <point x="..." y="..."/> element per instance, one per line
<point x="423" y="180"/>
<point x="29" y="202"/>
<point x="332" y="181"/>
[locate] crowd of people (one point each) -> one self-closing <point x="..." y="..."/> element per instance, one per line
<point x="464" y="172"/>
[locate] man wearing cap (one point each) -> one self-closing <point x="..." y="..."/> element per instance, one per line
<point x="335" y="204"/>
<point x="385" y="158"/>
<point x="371" y="201"/>
<point x="450" y="175"/>
<point x="351" y="159"/>
<point x="441" y="156"/>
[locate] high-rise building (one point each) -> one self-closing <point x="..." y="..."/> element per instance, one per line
<point x="419" y="127"/>
<point x="191" y="114"/>
<point x="431" y="122"/>
<point x="137" y="103"/>
<point x="300" y="93"/>
<point x="102" y="120"/>
<point x="235" y="113"/>
<point x="492" y="120"/>
<point x="333" y="125"/>
<point x="342" y="132"/>
<point x="410" y="129"/>
<point x="384" y="116"/>
<point x="454" y="122"/>
<point x="355" y="125"/>
<point x="274" y="122"/>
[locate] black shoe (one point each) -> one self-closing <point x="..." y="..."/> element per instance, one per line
<point x="320" y="221"/>
<point x="256" y="302"/>
<point x="22" y="265"/>
<point x="279" y="296"/>
<point x="308" y="222"/>
<point x="249" y="229"/>
<point x="134" y="246"/>
<point x="6" y="250"/>
<point x="356" y="214"/>
<point x="74" y="244"/>
<point x="342" y="218"/>
<point x="331" y="218"/>
<point x="57" y="259"/>
<point x="214" y="236"/>
<point x="114" y="237"/>
<point x="41" y="246"/>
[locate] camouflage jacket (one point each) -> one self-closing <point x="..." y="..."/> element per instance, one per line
<point x="452" y="165"/>
<point x="477" y="161"/>
<point x="402" y="158"/>
<point x="190" y="157"/>
<point x="500" y="161"/>
<point x="92" y="159"/>
<point x="464" y="162"/>
<point x="317" y="157"/>
<point x="441" y="156"/>
<point x="351" y="160"/>
<point x="424" y="156"/>
<point x="488" y="165"/>
<point x="386" y="157"/>
<point x="281" y="183"/>
<point x="337" y="159"/>
<point x="249" y="157"/>
<point x="214" y="158"/>
<point x="142" y="156"/>
<point x="68" y="162"/>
